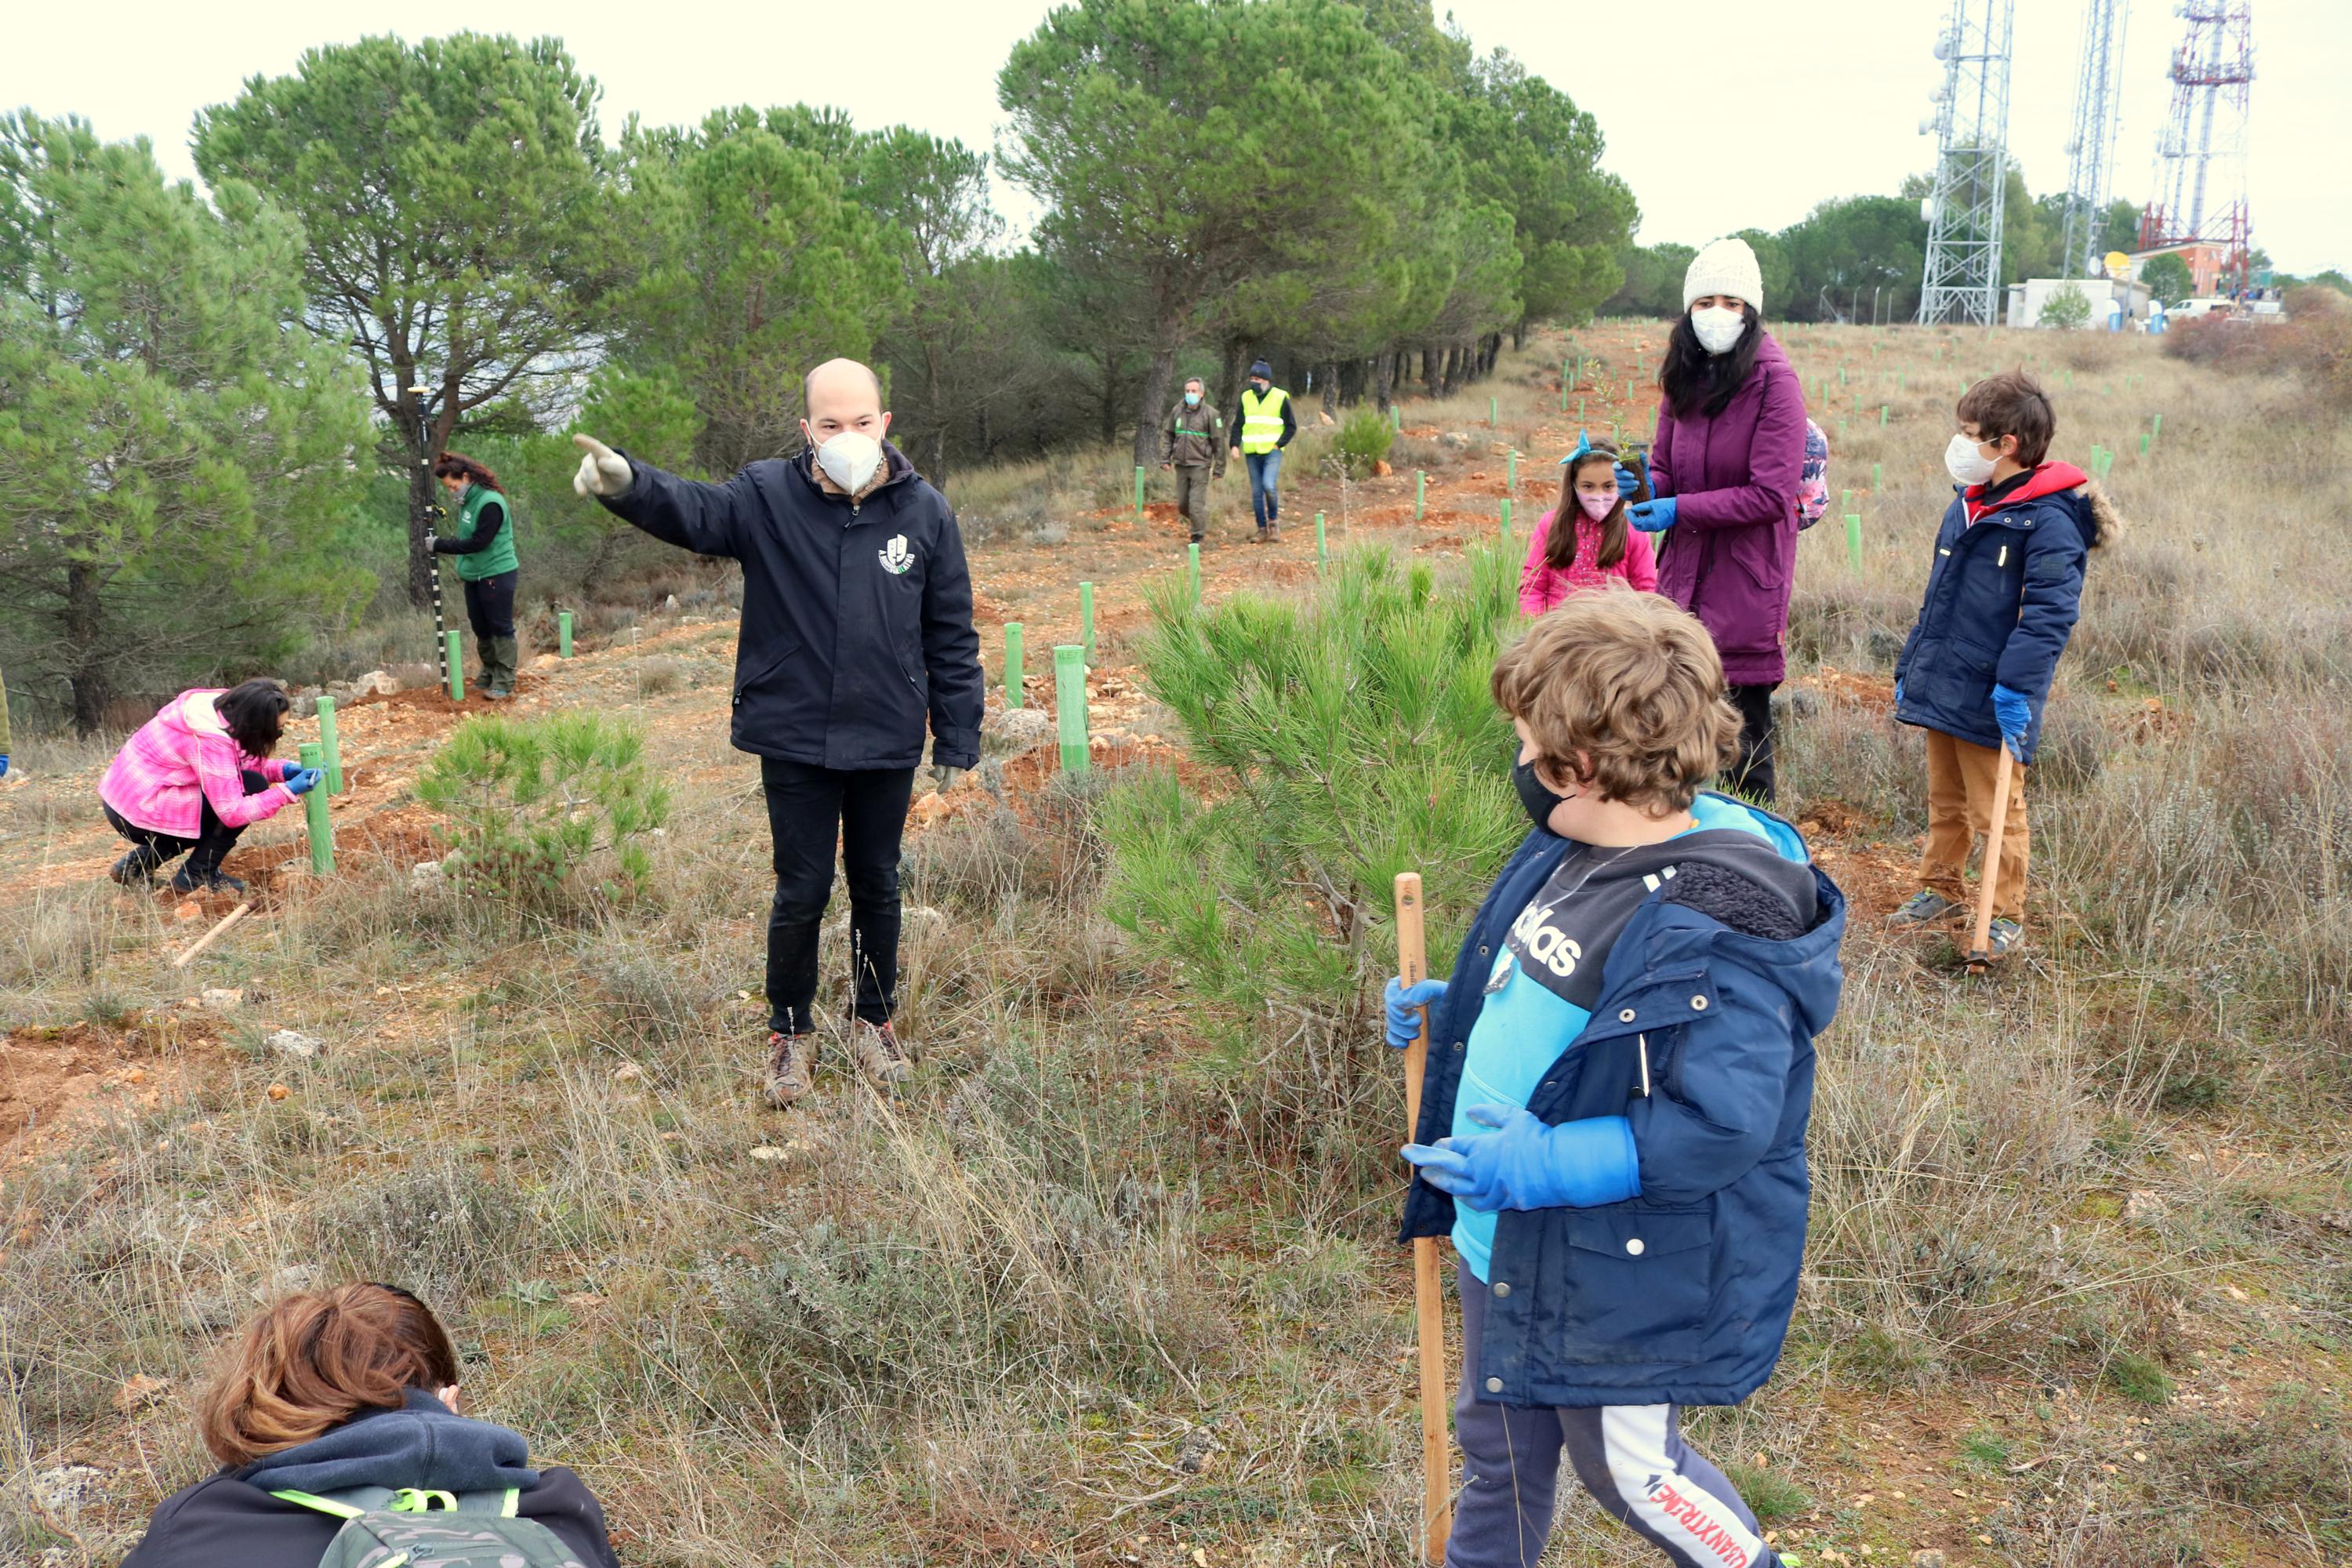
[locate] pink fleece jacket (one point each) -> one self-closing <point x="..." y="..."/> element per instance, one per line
<point x="181" y="758"/>
<point x="1543" y="585"/>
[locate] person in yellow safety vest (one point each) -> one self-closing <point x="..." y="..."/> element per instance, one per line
<point x="1264" y="428"/>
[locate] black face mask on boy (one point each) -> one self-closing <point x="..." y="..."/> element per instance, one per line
<point x="1534" y="796"/>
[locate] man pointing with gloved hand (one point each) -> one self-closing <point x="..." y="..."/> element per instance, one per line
<point x="856" y="629"/>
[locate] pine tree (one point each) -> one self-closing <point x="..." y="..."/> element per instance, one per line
<point x="1349" y="736"/>
<point x="173" y="464"/>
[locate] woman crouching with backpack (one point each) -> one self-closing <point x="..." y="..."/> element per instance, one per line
<point x="338" y="1411"/>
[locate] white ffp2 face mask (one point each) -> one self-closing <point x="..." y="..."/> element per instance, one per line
<point x="1965" y="463"/>
<point x="1718" y="328"/>
<point x="849" y="460"/>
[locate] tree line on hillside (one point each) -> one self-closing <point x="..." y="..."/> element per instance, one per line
<point x="216" y="407"/>
<point x="1860" y="258"/>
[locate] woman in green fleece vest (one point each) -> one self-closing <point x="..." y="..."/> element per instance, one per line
<point x="484" y="546"/>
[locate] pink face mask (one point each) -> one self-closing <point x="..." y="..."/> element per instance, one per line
<point x="1597" y="506"/>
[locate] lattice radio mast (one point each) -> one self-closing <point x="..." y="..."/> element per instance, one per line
<point x="1962" y="279"/>
<point x="2091" y="155"/>
<point x="2201" y="158"/>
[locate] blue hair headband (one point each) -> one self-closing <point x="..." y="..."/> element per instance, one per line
<point x="1584" y="446"/>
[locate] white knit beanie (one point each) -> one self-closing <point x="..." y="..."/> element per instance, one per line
<point x="1725" y="266"/>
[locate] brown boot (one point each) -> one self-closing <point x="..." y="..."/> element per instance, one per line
<point x="875" y="1049"/>
<point x="791" y="1067"/>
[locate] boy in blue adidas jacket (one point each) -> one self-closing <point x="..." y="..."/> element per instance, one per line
<point x="1620" y="1069"/>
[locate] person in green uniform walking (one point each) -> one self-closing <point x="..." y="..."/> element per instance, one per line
<point x="484" y="546"/>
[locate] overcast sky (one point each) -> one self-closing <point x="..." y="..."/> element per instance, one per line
<point x="1720" y="115"/>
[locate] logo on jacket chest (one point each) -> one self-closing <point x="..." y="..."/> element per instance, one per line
<point x="1545" y="942"/>
<point x="895" y="556"/>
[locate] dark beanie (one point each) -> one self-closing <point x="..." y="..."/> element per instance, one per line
<point x="1263" y="369"/>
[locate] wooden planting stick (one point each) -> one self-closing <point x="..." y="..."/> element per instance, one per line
<point x="220" y="929"/>
<point x="1980" y="949"/>
<point x="1428" y="1292"/>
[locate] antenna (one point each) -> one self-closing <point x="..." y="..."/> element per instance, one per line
<point x="2201" y="157"/>
<point x="2091" y="155"/>
<point x="1961" y="281"/>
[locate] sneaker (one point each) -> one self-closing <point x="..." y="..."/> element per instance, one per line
<point x="187" y="879"/>
<point x="875" y="1049"/>
<point x="1925" y="906"/>
<point x="2005" y="937"/>
<point x="791" y="1067"/>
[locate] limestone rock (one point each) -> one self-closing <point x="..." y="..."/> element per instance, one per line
<point x="290" y="1043"/>
<point x="223" y="1000"/>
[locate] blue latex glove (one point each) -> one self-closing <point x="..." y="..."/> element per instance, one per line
<point x="1898" y="694"/>
<point x="1652" y="516"/>
<point x="302" y="781"/>
<point x="1404" y="1005"/>
<point x="1525" y="1164"/>
<point x="2014" y="711"/>
<point x="1628" y="481"/>
<point x="4" y="765"/>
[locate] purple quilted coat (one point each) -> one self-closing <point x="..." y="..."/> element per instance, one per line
<point x="1731" y="556"/>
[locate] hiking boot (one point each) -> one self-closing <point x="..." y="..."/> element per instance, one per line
<point x="875" y="1049"/>
<point x="2005" y="937"/>
<point x="137" y="870"/>
<point x="499" y="657"/>
<point x="791" y="1067"/>
<point x="188" y="880"/>
<point x="1196" y="536"/>
<point x="1925" y="906"/>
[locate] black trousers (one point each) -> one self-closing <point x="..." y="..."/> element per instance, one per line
<point x="490" y="606"/>
<point x="1751" y="775"/>
<point x="807" y="808"/>
<point x="206" y="851"/>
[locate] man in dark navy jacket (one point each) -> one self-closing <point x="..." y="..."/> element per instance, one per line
<point x="856" y="630"/>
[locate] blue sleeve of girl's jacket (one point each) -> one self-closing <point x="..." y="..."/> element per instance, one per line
<point x="2052" y="601"/>
<point x="1717" y="1103"/>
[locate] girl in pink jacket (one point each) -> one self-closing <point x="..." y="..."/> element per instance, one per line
<point x="1597" y="547"/>
<point x="196" y="776"/>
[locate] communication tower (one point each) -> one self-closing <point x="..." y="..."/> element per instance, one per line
<point x="1962" y="280"/>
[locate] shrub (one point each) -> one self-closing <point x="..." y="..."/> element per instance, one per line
<point x="1364" y="440"/>
<point x="536" y="805"/>
<point x="2066" y="308"/>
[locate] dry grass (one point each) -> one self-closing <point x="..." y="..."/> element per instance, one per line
<point x="1111" y="1281"/>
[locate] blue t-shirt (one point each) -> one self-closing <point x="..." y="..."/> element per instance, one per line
<point x="1547" y="978"/>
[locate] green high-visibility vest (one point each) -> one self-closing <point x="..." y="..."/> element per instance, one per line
<point x="501" y="556"/>
<point x="1262" y="419"/>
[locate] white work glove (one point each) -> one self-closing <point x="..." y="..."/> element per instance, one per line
<point x="603" y="471"/>
<point x="943" y="777"/>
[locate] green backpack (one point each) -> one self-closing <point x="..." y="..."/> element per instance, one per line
<point x="408" y="1528"/>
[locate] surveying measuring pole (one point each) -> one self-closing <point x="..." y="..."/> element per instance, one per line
<point x="1428" y="1294"/>
<point x="432" y="559"/>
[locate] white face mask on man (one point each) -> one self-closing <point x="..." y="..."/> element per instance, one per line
<point x="849" y="460"/>
<point x="1718" y="327"/>
<point x="1967" y="465"/>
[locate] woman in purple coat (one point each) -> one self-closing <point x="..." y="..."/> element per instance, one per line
<point x="1725" y="468"/>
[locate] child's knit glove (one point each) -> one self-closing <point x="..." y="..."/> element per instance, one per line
<point x="2014" y="712"/>
<point x="1404" y="1003"/>
<point x="1525" y="1164"/>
